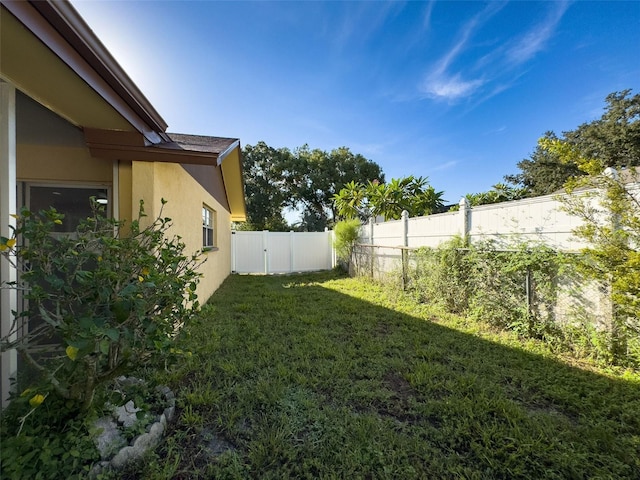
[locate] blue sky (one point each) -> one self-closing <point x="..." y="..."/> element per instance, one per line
<point x="455" y="91"/>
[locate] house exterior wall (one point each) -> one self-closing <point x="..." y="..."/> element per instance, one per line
<point x="57" y="164"/>
<point x="125" y="187"/>
<point x="57" y="81"/>
<point x="185" y="197"/>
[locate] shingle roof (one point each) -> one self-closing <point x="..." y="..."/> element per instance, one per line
<point x="199" y="143"/>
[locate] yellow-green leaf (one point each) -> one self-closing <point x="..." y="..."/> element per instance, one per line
<point x="72" y="352"/>
<point x="11" y="242"/>
<point x="36" y="400"/>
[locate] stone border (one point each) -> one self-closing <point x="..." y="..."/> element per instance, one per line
<point x="144" y="442"/>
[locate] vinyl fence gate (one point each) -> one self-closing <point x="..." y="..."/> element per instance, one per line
<point x="281" y="252"/>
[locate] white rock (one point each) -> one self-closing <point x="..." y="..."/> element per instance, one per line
<point x="126" y="414"/>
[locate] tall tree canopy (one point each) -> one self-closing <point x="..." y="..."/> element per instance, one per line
<point x="265" y="186"/>
<point x="322" y="175"/>
<point x="613" y="140"/>
<point x="544" y="172"/>
<point x="303" y="180"/>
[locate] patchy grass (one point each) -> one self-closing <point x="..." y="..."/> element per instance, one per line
<point x="316" y="376"/>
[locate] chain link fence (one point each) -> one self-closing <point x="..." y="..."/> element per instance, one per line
<point x="537" y="292"/>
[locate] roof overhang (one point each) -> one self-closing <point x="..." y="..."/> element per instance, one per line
<point x="49" y="52"/>
<point x="231" y="166"/>
<point x="182" y="149"/>
<point x="123" y="145"/>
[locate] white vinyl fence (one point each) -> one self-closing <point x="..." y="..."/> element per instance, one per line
<point x="537" y="220"/>
<point x="281" y="252"/>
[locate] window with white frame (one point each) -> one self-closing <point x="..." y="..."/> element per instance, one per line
<point x="208" y="227"/>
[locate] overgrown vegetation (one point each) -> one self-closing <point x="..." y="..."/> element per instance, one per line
<point x="346" y="233"/>
<point x="516" y="290"/>
<point x="99" y="303"/>
<point x="607" y="201"/>
<point x="344" y="379"/>
<point x="51" y="441"/>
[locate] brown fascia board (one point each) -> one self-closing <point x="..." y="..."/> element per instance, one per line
<point x="151" y="154"/>
<point x="59" y="26"/>
<point x="119" y="145"/>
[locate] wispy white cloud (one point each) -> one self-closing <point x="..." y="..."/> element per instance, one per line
<point x="505" y="59"/>
<point x="450" y="87"/>
<point x="361" y="20"/>
<point x="439" y="83"/>
<point x="444" y="166"/>
<point x="428" y="11"/>
<point x="496" y="131"/>
<point x="536" y="39"/>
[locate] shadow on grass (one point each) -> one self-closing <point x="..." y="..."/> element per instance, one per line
<point x="314" y="376"/>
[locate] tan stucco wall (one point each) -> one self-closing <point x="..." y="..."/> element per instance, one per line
<point x="124" y="191"/>
<point x="141" y="180"/>
<point x="46" y="163"/>
<point x="152" y="182"/>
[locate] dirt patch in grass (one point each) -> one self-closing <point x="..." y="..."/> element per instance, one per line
<point x="400" y="386"/>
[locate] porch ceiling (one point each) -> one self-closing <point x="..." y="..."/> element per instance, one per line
<point x="38" y="71"/>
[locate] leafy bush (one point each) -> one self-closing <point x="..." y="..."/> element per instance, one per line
<point x="101" y="301"/>
<point x="518" y="289"/>
<point x="441" y="276"/>
<point x="512" y="289"/>
<point x="347" y="233"/>
<point x="49" y="442"/>
<point x="608" y="203"/>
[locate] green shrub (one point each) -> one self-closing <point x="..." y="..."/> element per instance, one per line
<point x="517" y="289"/>
<point x="49" y="442"/>
<point x="491" y="285"/>
<point x="101" y="301"/>
<point x="347" y="233"/>
<point x="441" y="276"/>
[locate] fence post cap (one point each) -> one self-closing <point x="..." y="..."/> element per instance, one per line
<point x="463" y="202"/>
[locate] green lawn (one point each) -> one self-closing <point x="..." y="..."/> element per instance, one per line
<point x="318" y="376"/>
